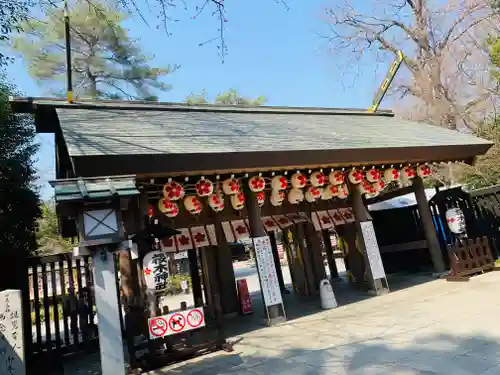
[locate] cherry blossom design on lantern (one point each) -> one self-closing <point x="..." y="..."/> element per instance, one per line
<point x="173" y="191"/>
<point x="298" y="180"/>
<point x="329" y="192"/>
<point x="364" y="187"/>
<point x="147" y="271"/>
<point x="295" y="196"/>
<point x="277" y="198"/>
<point x="230" y="186"/>
<point x="391" y="174"/>
<point x="313" y="194"/>
<point x="279" y="183"/>
<point x="373" y="175"/>
<point x="204" y="187"/>
<point x="261" y="198"/>
<point x="336" y="178"/>
<point x="256" y="183"/>
<point x="424" y="171"/>
<point x="407" y="173"/>
<point x="356" y="176"/>
<point x="318" y="179"/>
<point x="168" y="208"/>
<point x="183" y="240"/>
<point x="199" y="237"/>
<point x="379" y="186"/>
<point x="150" y="211"/>
<point x="192" y="204"/>
<point x="343" y="192"/>
<point x="238" y="201"/>
<point x="216" y="202"/>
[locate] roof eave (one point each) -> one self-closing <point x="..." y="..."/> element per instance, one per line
<point x="155" y="165"/>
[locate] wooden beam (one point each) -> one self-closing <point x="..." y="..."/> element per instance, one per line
<point x="394" y="248"/>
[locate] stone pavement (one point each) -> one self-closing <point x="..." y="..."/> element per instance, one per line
<point x="433" y="328"/>
<point x="437" y="328"/>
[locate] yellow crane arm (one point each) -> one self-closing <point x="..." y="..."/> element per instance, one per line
<point x="379" y="96"/>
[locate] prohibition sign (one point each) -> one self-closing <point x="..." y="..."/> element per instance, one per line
<point x="158" y="327"/>
<point x="195" y="318"/>
<point x="177" y="322"/>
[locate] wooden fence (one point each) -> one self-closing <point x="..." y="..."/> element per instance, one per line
<point x="61" y="307"/>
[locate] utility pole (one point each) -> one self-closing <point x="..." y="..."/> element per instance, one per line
<point x="379" y="96"/>
<point x="69" y="89"/>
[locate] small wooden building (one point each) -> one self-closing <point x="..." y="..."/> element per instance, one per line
<point x="219" y="173"/>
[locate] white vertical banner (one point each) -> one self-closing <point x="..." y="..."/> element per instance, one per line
<point x="267" y="271"/>
<point x="372" y="250"/>
<point x="11" y="333"/>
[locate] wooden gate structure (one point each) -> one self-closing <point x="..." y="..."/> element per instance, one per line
<point x="218" y="173"/>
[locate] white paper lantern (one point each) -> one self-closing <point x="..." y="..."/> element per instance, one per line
<point x="230" y="186"/>
<point x="173" y="191"/>
<point x="364" y="187"/>
<point x="424" y="171"/>
<point x="295" y="196"/>
<point x="336" y="177"/>
<point x="261" y="198"/>
<point x="343" y="192"/>
<point x="313" y="194"/>
<point x="373" y="175"/>
<point x="379" y="185"/>
<point x="216" y="202"/>
<point x="455" y="220"/>
<point x="407" y="173"/>
<point x="256" y="183"/>
<point x="277" y="197"/>
<point x="279" y="183"/>
<point x="298" y="180"/>
<point x="204" y="187"/>
<point x="168" y="208"/>
<point x="356" y="176"/>
<point x="371" y="194"/>
<point x="192" y="204"/>
<point x="390" y="175"/>
<point x="238" y="201"/>
<point x="318" y="179"/>
<point x="329" y="192"/>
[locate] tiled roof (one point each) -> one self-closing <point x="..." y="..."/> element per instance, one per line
<point x="111" y="131"/>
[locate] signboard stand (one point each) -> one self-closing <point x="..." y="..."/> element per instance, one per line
<point x="373" y="258"/>
<point x="269" y="284"/>
<point x="175" y="323"/>
<point x="11" y="334"/>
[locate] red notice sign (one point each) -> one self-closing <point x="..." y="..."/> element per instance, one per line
<point x="244" y="297"/>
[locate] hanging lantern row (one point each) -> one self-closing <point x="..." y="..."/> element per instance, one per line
<point x="322" y="187"/>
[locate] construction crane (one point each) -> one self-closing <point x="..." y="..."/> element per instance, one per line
<point x="379" y="96"/>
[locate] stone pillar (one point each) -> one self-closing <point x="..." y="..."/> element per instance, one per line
<point x="361" y="214"/>
<point x="428" y="224"/>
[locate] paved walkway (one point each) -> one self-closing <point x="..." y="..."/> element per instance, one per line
<point x="434" y="328"/>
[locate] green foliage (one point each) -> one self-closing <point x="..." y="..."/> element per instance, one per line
<point x="494" y="46"/>
<point x="18" y="199"/>
<point x="12" y="12"/>
<point x="230" y="97"/>
<point x="47" y="236"/>
<point x="486" y="171"/>
<point x="106" y="62"/>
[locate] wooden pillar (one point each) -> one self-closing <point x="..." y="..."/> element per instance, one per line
<point x="428" y="224"/>
<point x="306" y="259"/>
<point x="195" y="277"/>
<point x="334" y="273"/>
<point x="361" y="214"/>
<point x="294" y="263"/>
<point x="279" y="272"/>
<point x="275" y="313"/>
<point x="315" y="257"/>
<point x="225" y="271"/>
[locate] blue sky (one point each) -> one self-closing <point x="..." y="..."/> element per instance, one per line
<point x="271" y="52"/>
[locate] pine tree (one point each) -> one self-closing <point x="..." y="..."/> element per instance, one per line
<point x="106" y="61"/>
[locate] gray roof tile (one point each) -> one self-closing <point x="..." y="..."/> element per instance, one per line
<point x="124" y="132"/>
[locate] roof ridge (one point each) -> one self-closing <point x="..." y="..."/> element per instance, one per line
<point x="184" y="107"/>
